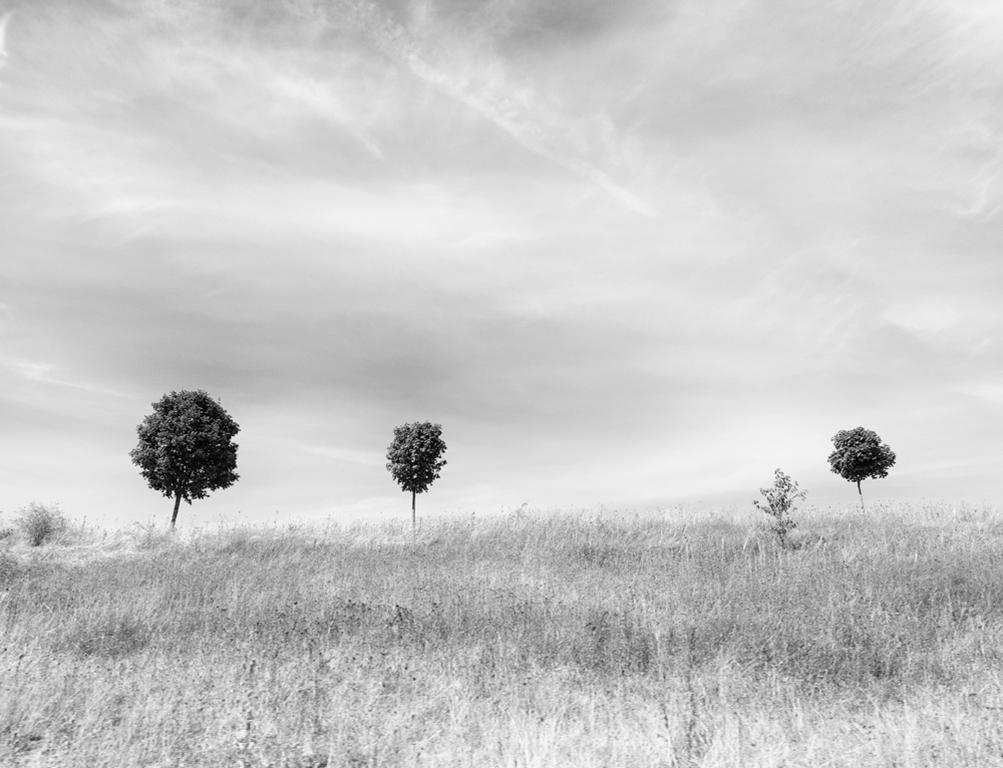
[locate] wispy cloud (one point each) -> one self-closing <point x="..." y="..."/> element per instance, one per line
<point x="482" y="84"/>
<point x="368" y="458"/>
<point x="633" y="248"/>
<point x="4" y="21"/>
<point x="984" y="188"/>
<point x="49" y="375"/>
<point x="990" y="390"/>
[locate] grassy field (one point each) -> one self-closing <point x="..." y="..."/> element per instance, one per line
<point x="668" y="639"/>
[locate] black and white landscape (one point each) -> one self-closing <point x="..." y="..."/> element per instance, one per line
<point x="635" y="263"/>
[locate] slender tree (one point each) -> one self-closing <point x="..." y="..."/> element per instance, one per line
<point x="414" y="458"/>
<point x="186" y="447"/>
<point x="779" y="502"/>
<point x="858" y="455"/>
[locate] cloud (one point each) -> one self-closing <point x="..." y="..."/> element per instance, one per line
<point x="990" y="390"/>
<point x="930" y="317"/>
<point x="341" y="215"/>
<point x="482" y="83"/>
<point x="250" y="94"/>
<point x="466" y="73"/>
<point x="981" y="149"/>
<point x="48" y="374"/>
<point x="4" y="21"/>
<point x="367" y="458"/>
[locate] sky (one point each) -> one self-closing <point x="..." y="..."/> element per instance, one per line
<point x="628" y="254"/>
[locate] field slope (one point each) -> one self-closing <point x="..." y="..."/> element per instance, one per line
<point x="521" y="640"/>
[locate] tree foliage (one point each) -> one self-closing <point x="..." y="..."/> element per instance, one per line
<point x="778" y="502"/>
<point x="414" y="458"/>
<point x="859" y="454"/>
<point x="186" y="447"/>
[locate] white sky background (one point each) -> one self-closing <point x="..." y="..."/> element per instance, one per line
<point x="626" y="253"/>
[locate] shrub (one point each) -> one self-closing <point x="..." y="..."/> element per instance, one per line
<point x="779" y="502"/>
<point x="41" y="524"/>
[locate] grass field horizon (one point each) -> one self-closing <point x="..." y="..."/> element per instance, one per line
<point x="661" y="638"/>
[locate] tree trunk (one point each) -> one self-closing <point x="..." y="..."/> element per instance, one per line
<point x="177" y="504"/>
<point x="862" y="507"/>
<point x="414" y="519"/>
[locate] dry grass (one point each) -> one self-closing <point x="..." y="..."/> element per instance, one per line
<point x="40" y="524"/>
<point x="577" y="640"/>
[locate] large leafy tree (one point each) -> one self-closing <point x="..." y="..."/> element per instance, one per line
<point x="186" y="447"/>
<point x="858" y="455"/>
<point x="414" y="458"/>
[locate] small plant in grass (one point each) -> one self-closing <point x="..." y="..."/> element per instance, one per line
<point x="147" y="536"/>
<point x="41" y="524"/>
<point x="778" y="502"/>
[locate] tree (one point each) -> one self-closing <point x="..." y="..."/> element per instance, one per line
<point x="779" y="502"/>
<point x="186" y="447"/>
<point x="860" y="454"/>
<point x="414" y="458"/>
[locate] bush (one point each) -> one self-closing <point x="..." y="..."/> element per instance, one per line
<point x="40" y="524"/>
<point x="778" y="503"/>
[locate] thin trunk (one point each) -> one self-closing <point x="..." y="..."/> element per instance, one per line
<point x="862" y="507"/>
<point x="177" y="504"/>
<point x="414" y="519"/>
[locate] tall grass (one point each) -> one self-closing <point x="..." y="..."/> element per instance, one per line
<point x="40" y="524"/>
<point x="562" y="640"/>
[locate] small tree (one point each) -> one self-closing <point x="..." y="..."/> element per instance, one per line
<point x="860" y="454"/>
<point x="414" y="458"/>
<point x="779" y="502"/>
<point x="186" y="447"/>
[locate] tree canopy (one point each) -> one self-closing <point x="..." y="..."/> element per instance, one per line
<point x="186" y="447"/>
<point x="414" y="458"/>
<point x="859" y="454"/>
